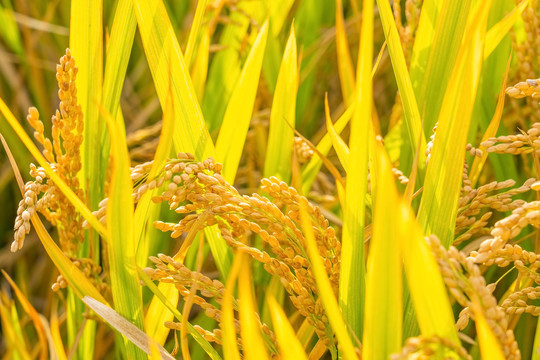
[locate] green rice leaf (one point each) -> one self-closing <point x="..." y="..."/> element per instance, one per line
<point x="495" y="35"/>
<point x="121" y="246"/>
<point x="413" y="122"/>
<point x="117" y="58"/>
<point x="233" y="131"/>
<point x="170" y="71"/>
<point x="86" y="44"/>
<point x="352" y="279"/>
<point x="344" y="60"/>
<point x="282" y="116"/>
<point x="383" y="311"/>
<point x="437" y="211"/>
<point x="195" y="28"/>
<point x="432" y="81"/>
<point x="225" y="68"/>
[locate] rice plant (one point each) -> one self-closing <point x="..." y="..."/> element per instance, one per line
<point x="248" y="179"/>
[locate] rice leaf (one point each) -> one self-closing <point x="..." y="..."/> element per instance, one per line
<point x="32" y="313"/>
<point x="199" y="70"/>
<point x="495" y="35"/>
<point x="195" y="28"/>
<point x="225" y="68"/>
<point x="233" y="131"/>
<point x="432" y="81"/>
<point x="344" y="60"/>
<point x="126" y="328"/>
<point x="121" y="247"/>
<point x="230" y="346"/>
<point x="168" y="69"/>
<point x="86" y="44"/>
<point x="289" y="345"/>
<point x="413" y="122"/>
<point x="330" y="304"/>
<point x="117" y="58"/>
<point x="352" y="279"/>
<point x="489" y="346"/>
<point x="278" y="11"/>
<point x="491" y="131"/>
<point x="383" y="311"/>
<point x="437" y="212"/>
<point x="310" y="171"/>
<point x="11" y="333"/>
<point x="425" y="283"/>
<point x="282" y="116"/>
<point x="55" y="332"/>
<point x="339" y="145"/>
<point x="253" y="344"/>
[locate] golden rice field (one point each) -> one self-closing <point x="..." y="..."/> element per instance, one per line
<point x="285" y="179"/>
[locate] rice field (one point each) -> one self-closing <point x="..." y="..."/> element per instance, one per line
<point x="286" y="179"/>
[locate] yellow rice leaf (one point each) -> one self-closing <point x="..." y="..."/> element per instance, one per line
<point x="279" y="10"/>
<point x="489" y="346"/>
<point x="229" y="335"/>
<point x="80" y="284"/>
<point x="282" y="116"/>
<point x="352" y="279"/>
<point x="312" y="168"/>
<point x="426" y="285"/>
<point x="437" y="211"/>
<point x="344" y="61"/>
<point x="252" y="342"/>
<point x="329" y="301"/>
<point x="32" y="313"/>
<point x="121" y="247"/>
<point x="55" y="331"/>
<point x="289" y="345"/>
<point x="233" y="131"/>
<point x="495" y="35"/>
<point x="383" y="311"/>
<point x="168" y="69"/>
<point x="12" y="336"/>
<point x="339" y="145"/>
